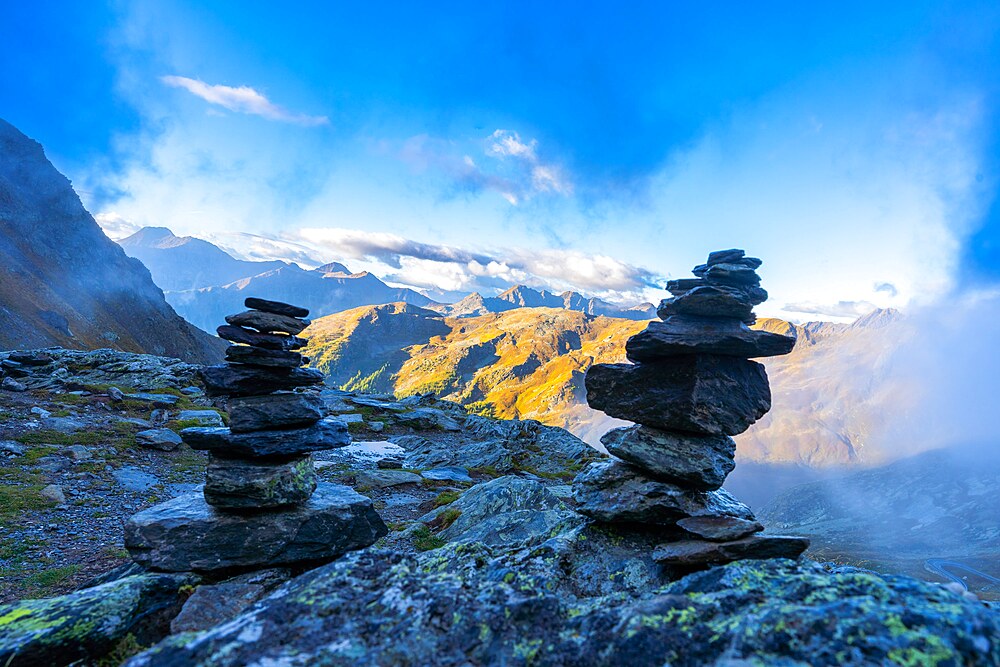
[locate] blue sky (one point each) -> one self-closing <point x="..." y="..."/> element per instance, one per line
<point x="577" y="145"/>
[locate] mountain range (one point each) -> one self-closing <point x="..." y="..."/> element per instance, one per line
<point x="205" y="283"/>
<point x="829" y="394"/>
<point x="63" y="282"/>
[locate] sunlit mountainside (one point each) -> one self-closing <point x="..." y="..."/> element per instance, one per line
<point x="522" y="363"/>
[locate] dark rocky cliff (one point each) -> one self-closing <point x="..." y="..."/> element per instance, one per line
<point x="63" y="282"/>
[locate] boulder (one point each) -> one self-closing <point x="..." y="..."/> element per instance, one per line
<point x="267" y="322"/>
<point x="327" y="433"/>
<point x="160" y="438"/>
<point x="273" y="411"/>
<point x="210" y="605"/>
<point x="384" y="479"/>
<point x="685" y="553"/>
<point x="187" y="534"/>
<point x="54" y="494"/>
<point x="10" y="384"/>
<point x="612" y="491"/>
<point x="246" y="484"/>
<point x="241" y="380"/>
<point x="262" y="340"/>
<point x="425" y="419"/>
<point x="86" y="624"/>
<point x="720" y="528"/>
<point x="468" y="604"/>
<point x="709" y="301"/>
<point x="276" y="307"/>
<point x="679" y="335"/>
<point x="696" y="393"/>
<point x="699" y="461"/>
<point x="504" y="511"/>
<point x="259" y="356"/>
<point x="30" y="358"/>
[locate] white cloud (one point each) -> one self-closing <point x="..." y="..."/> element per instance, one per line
<point x="115" y="226"/>
<point x="242" y="99"/>
<point x="458" y="269"/>
<point x="512" y="168"/>
<point x="505" y="143"/>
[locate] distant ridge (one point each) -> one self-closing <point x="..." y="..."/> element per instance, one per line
<point x="522" y="296"/>
<point x="184" y="262"/>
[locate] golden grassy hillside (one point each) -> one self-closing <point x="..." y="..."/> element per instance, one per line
<point x="524" y="363"/>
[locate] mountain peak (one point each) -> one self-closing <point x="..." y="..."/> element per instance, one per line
<point x="150" y="237"/>
<point x="333" y="267"/>
<point x="877" y="319"/>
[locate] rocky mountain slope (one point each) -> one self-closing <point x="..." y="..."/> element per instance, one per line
<point x="831" y="394"/>
<point x="487" y="560"/>
<point x="62" y="281"/>
<point x="522" y="363"/>
<point x="184" y="262"/>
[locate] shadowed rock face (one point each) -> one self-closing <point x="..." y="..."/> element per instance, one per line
<point x="64" y="282"/>
<point x="692" y="393"/>
<point x="612" y="491"/>
<point x="468" y="604"/>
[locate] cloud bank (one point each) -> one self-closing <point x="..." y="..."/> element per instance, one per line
<point x="455" y="269"/>
<point x="242" y="99"/>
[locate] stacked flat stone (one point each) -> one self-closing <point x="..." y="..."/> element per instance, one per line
<point x="690" y="387"/>
<point x="261" y="504"/>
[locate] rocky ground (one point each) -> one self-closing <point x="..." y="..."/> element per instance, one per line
<point x="72" y="469"/>
<point x="486" y="561"/>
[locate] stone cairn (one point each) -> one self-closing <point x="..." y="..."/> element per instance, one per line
<point x="690" y="387"/>
<point x="261" y="505"/>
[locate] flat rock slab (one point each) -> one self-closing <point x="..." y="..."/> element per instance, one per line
<point x="720" y="528"/>
<point x="248" y="484"/>
<point x="448" y="474"/>
<point x="709" y="301"/>
<point x="384" y="479"/>
<point x="155" y="399"/>
<point x="187" y="534"/>
<point x="258" y="356"/>
<point x="242" y="380"/>
<point x="274" y="411"/>
<point x="728" y="273"/>
<point x="276" y="307"/>
<point x="695" y="393"/>
<point x="613" y="491"/>
<point x="262" y="340"/>
<point x="699" y="461"/>
<point x="133" y="479"/>
<point x="325" y="434"/>
<point x="267" y="322"/>
<point x="759" y="546"/>
<point x="691" y="335"/>
<point x="160" y="438"/>
<point x="86" y="624"/>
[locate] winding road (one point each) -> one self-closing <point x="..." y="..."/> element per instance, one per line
<point x="938" y="565"/>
